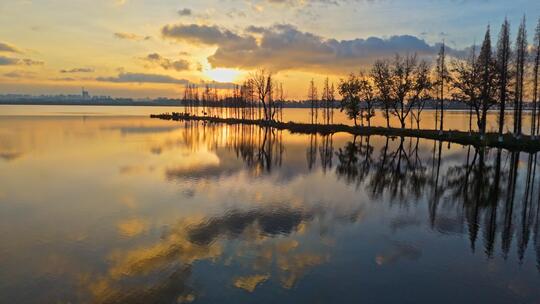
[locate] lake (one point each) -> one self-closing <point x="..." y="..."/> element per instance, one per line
<point x="105" y="205"/>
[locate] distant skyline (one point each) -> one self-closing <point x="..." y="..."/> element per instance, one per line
<point x="143" y="48"/>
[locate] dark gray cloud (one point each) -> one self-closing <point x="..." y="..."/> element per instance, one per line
<point x="19" y="74"/>
<point x="166" y="63"/>
<point x="77" y="70"/>
<point x="16" y="61"/>
<point x="142" y="78"/>
<point x="131" y="36"/>
<point x="185" y="12"/>
<point x="4" y="47"/>
<point x="284" y="47"/>
<point x="8" y="61"/>
<point x="209" y="35"/>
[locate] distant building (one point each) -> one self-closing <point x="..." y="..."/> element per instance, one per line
<point x="85" y="94"/>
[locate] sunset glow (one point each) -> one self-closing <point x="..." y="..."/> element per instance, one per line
<point x="139" y="48"/>
<point x="223" y="75"/>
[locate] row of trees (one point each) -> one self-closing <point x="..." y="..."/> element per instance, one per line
<point x="259" y="97"/>
<point x="326" y="104"/>
<point x="402" y="86"/>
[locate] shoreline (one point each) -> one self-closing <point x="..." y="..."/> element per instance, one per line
<point x="524" y="144"/>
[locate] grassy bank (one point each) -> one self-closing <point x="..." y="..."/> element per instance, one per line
<point x="509" y="142"/>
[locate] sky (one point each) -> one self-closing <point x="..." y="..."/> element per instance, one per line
<point x="153" y="48"/>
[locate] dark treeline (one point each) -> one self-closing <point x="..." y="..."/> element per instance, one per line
<point x="525" y="143"/>
<point x="487" y="78"/>
<point x="260" y="97"/>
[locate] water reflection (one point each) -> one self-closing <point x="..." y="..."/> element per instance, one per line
<point x="131" y="210"/>
<point x="473" y="192"/>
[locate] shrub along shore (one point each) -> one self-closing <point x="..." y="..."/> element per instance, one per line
<point x="510" y="142"/>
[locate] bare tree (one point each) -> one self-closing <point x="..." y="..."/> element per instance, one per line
<point x="443" y="77"/>
<point x="367" y="95"/>
<point x="536" y="67"/>
<point x="262" y="82"/>
<point x="327" y="99"/>
<point x="421" y="91"/>
<point x="521" y="57"/>
<point x="380" y="72"/>
<point x="312" y="97"/>
<point x="332" y="100"/>
<point x="402" y="84"/>
<point x="475" y="82"/>
<point x="349" y="90"/>
<point x="487" y="78"/>
<point x="504" y="54"/>
<point x="466" y="83"/>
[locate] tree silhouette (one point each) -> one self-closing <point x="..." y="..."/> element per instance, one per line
<point x="504" y="54"/>
<point x="536" y="70"/>
<point x="349" y="89"/>
<point x="402" y="84"/>
<point x="520" y="69"/>
<point x="313" y="101"/>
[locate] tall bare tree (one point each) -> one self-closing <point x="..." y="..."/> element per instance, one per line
<point x="262" y="82"/>
<point x="313" y="97"/>
<point x="421" y="90"/>
<point x="349" y="90"/>
<point x="521" y="58"/>
<point x="475" y="81"/>
<point x="380" y="73"/>
<point x="327" y="99"/>
<point x="404" y="83"/>
<point x="367" y="95"/>
<point x="466" y="83"/>
<point x="504" y="53"/>
<point x="443" y="77"/>
<point x="487" y="79"/>
<point x="536" y="70"/>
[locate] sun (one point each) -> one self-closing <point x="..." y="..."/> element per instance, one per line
<point x="222" y="75"/>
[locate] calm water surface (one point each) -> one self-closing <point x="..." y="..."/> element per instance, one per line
<point x="104" y="205"/>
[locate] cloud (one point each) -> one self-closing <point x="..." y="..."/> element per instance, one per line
<point x="249" y="283"/>
<point x="19" y="74"/>
<point x="29" y="62"/>
<point x="284" y="47"/>
<point x="142" y="78"/>
<point x="10" y="155"/>
<point x="185" y="12"/>
<point x="16" y="61"/>
<point x="63" y="79"/>
<point x="208" y="35"/>
<point x="398" y="252"/>
<point x="235" y="13"/>
<point x="4" y="47"/>
<point x="78" y="70"/>
<point x="166" y="63"/>
<point x="131" y="36"/>
<point x="8" y="61"/>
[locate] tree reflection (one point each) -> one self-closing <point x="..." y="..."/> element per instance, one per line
<point x="483" y="189"/>
<point x="399" y="172"/>
<point x="489" y="193"/>
<point x="260" y="148"/>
